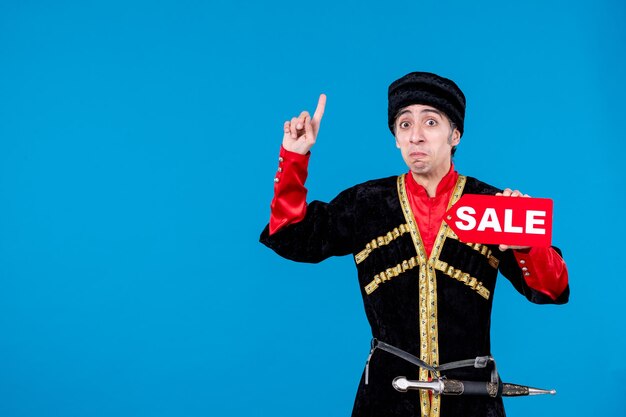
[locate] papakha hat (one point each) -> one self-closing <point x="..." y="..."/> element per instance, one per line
<point x="430" y="89"/>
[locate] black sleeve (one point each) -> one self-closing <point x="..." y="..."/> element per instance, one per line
<point x="326" y="230"/>
<point x="511" y="271"/>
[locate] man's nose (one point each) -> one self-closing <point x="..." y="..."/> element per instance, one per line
<point x="416" y="135"/>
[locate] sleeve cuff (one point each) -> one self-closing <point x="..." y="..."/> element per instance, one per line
<point x="543" y="270"/>
<point x="289" y="203"/>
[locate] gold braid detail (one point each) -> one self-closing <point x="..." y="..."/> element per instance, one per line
<point x="478" y="247"/>
<point x="389" y="273"/>
<point x="381" y="241"/>
<point x="486" y="252"/>
<point x="429" y="338"/>
<point x="463" y="277"/>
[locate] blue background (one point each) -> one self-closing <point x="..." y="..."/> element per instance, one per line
<point x="138" y="144"/>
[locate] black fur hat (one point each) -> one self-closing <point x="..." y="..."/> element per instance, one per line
<point x="430" y="89"/>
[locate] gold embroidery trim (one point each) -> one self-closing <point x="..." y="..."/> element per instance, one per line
<point x="480" y="248"/>
<point x="429" y="347"/>
<point x="389" y="273"/>
<point x="381" y="241"/>
<point x="463" y="277"/>
<point x="486" y="252"/>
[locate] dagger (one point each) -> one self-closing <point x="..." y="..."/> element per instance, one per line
<point x="456" y="387"/>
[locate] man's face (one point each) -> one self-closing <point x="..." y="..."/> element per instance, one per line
<point x="425" y="138"/>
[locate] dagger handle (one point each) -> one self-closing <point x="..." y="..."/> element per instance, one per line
<point x="455" y="387"/>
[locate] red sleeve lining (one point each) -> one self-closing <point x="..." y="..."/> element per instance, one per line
<point x="289" y="202"/>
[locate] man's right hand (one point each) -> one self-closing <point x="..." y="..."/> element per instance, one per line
<point x="301" y="131"/>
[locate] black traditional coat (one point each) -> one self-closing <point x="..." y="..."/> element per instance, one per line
<point x="438" y="308"/>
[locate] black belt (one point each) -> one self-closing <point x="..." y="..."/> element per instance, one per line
<point x="478" y="362"/>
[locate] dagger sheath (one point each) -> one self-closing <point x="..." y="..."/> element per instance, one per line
<point x="456" y="387"/>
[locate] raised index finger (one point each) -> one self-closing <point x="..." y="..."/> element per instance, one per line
<point x="319" y="110"/>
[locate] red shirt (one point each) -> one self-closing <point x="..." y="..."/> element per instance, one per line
<point x="543" y="268"/>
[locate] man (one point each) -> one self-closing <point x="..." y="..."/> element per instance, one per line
<point x="424" y="291"/>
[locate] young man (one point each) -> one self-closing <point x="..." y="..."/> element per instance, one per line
<point x="424" y="291"/>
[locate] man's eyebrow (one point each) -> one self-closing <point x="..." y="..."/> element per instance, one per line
<point x="432" y="111"/>
<point x="437" y="112"/>
<point x="403" y="112"/>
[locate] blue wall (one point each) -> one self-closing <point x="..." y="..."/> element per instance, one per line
<point x="138" y="143"/>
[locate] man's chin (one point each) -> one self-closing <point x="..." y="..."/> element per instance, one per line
<point x="419" y="168"/>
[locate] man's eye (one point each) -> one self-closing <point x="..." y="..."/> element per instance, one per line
<point x="431" y="122"/>
<point x="404" y="125"/>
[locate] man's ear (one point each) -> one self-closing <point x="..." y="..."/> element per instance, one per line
<point x="397" y="143"/>
<point x="456" y="137"/>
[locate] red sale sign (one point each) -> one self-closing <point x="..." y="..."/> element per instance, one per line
<point x="514" y="221"/>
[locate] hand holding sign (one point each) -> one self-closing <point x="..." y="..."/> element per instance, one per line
<point x="509" y="222"/>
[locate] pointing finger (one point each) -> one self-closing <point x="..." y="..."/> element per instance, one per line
<point x="286" y="127"/>
<point x="319" y="110"/>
